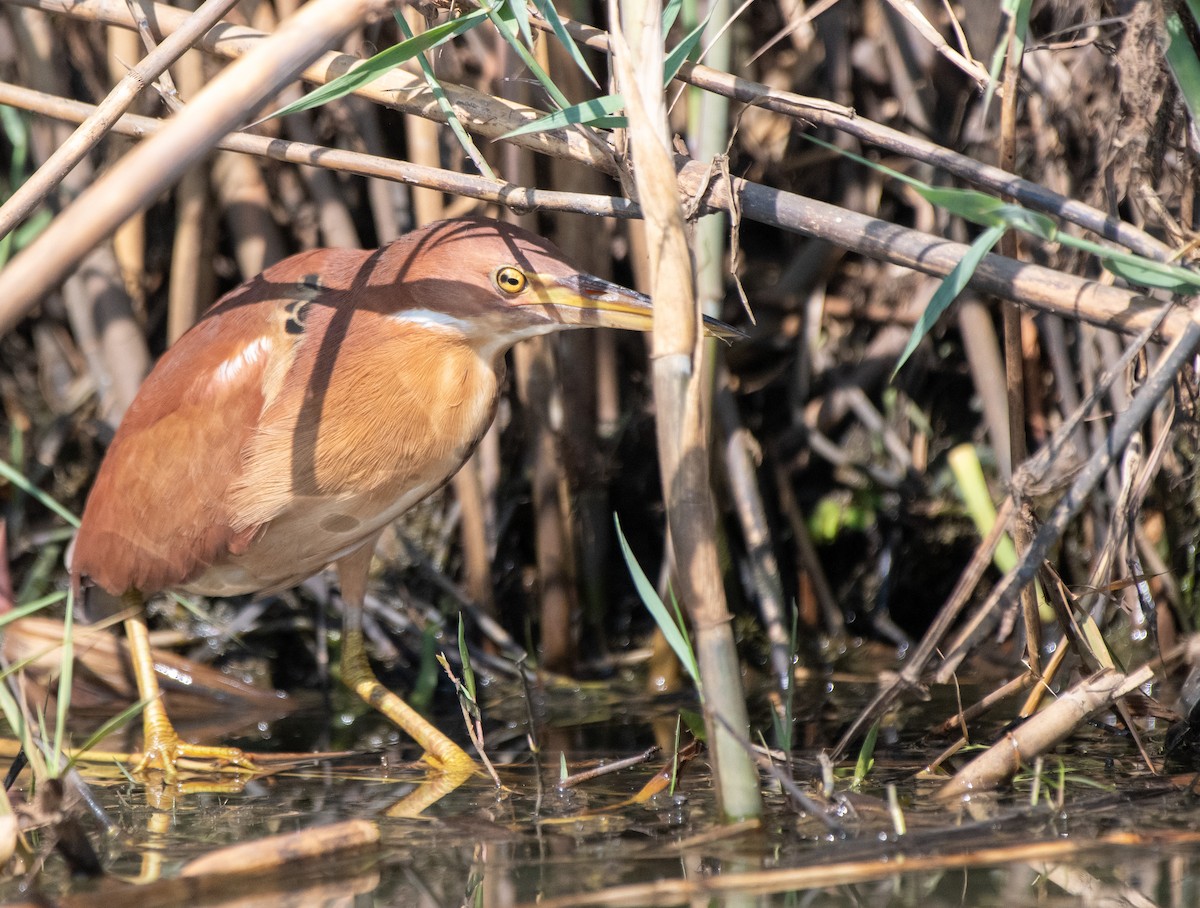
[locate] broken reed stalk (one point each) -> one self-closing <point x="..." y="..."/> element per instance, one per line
<point x="1028" y="476"/>
<point x="1154" y="390"/>
<point x="1014" y="356"/>
<point x="682" y="432"/>
<point x="1042" y="731"/>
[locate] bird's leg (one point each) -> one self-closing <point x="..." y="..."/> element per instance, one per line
<point x="357" y="675"/>
<point x="162" y="748"/>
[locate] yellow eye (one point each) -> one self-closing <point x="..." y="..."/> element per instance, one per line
<point x="511" y="280"/>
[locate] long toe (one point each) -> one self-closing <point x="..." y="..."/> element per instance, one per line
<point x="166" y="754"/>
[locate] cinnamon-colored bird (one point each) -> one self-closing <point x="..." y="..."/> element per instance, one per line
<point x="306" y="410"/>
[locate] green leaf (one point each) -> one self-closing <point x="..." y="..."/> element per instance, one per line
<point x="465" y="656"/>
<point x="384" y="61"/>
<point x="988" y="211"/>
<point x="670" y="14"/>
<point x="602" y="112"/>
<point x="109" y="726"/>
<point x="29" y="608"/>
<point x="596" y="112"/>
<point x="969" y="204"/>
<point x="1032" y="222"/>
<point x="14" y="715"/>
<point x="547" y="11"/>
<point x="1181" y="57"/>
<point x="1139" y="268"/>
<point x="695" y="724"/>
<point x="670" y="630"/>
<point x="9" y="472"/>
<point x="66" y="673"/>
<point x="520" y="13"/>
<point x="460" y="133"/>
<point x="675" y="756"/>
<point x="866" y="757"/>
<point x="508" y="29"/>
<point x="1016" y="11"/>
<point x="676" y="58"/>
<point x="950" y="288"/>
<point x="29" y="229"/>
<point x="1145" y="275"/>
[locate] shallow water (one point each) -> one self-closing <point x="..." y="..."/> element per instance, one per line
<point x="532" y="842"/>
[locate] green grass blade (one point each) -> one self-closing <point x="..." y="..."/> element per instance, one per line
<point x="108" y="727"/>
<point x="949" y="289"/>
<point x="675" y="756"/>
<point x="866" y="757"/>
<point x="969" y="481"/>
<point x="17" y="132"/>
<point x="15" y="717"/>
<point x="1137" y="268"/>
<point x="508" y="27"/>
<point x="384" y="61"/>
<point x="596" y="112"/>
<point x="670" y="14"/>
<point x="30" y="607"/>
<point x="996" y="214"/>
<point x="66" y="674"/>
<point x="447" y="109"/>
<point x="1146" y="276"/>
<point x="670" y="630"/>
<point x="9" y="472"/>
<point x="969" y="204"/>
<point x="547" y="11"/>
<point x="519" y="13"/>
<point x="464" y="656"/>
<point x="1011" y="10"/>
<point x="1181" y="57"/>
<point x="602" y="112"/>
<point x="675" y="59"/>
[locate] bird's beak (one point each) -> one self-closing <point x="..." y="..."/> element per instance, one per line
<point x="583" y="299"/>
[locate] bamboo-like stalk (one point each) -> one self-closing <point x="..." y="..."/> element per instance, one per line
<point x="129" y="240"/>
<point x="1040" y="732"/>
<point x="26" y="196"/>
<point x="1043" y="288"/>
<point x="192" y="279"/>
<point x="137" y="179"/>
<point x="1030" y="285"/>
<point x="737" y="444"/>
<point x="243" y="196"/>
<point x="1014" y="361"/>
<point x="98" y="306"/>
<point x="682" y="433"/>
<point x="491" y="118"/>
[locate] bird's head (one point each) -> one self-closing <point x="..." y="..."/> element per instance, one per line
<point x="499" y="284"/>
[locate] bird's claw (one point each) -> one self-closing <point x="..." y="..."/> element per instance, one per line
<point x="165" y="752"/>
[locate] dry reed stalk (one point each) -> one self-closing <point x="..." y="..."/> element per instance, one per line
<point x="26" y="196"/>
<point x="137" y="179"/>
<point x="682" y="432"/>
<point x="1042" y="288"/>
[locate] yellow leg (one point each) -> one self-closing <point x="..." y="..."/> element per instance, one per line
<point x="356" y="673"/>
<point x="443" y="753"/>
<point x="162" y="749"/>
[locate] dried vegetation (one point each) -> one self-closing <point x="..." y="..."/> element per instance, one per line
<point x="839" y="497"/>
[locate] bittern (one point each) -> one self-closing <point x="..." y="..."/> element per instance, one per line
<point x="306" y="410"/>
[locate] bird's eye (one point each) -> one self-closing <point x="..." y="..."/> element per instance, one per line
<point x="511" y="280"/>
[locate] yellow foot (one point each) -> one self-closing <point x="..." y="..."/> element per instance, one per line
<point x="166" y="753"/>
<point x="450" y="759"/>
